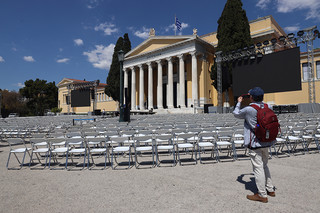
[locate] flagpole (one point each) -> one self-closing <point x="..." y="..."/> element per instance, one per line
<point x="175" y="26"/>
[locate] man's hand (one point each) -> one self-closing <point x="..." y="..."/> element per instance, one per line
<point x="240" y="99"/>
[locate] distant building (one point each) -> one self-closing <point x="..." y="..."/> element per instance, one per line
<point x="94" y="98"/>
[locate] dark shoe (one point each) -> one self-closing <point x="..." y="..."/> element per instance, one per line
<point x="257" y="197"/>
<point x="271" y="194"/>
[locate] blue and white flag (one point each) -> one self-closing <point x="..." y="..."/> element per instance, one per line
<point x="178" y="24"/>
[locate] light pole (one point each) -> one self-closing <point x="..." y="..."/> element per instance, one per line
<point x="121" y="59"/>
<point x="0" y="104"/>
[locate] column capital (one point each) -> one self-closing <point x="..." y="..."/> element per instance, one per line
<point x="194" y="53"/>
<point x="159" y="61"/>
<point x="140" y="66"/>
<point x="149" y="63"/>
<point x="181" y="56"/>
<point x="132" y="68"/>
<point x="169" y="59"/>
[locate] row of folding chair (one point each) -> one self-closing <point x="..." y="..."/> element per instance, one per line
<point x="51" y="149"/>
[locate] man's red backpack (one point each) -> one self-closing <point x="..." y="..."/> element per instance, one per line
<point x="268" y="126"/>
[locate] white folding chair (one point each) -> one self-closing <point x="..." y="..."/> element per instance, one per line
<point x="40" y="147"/>
<point x="165" y="143"/>
<point x="76" y="148"/>
<point x="206" y="140"/>
<point x="186" y="142"/>
<point x="58" y="151"/>
<point x="142" y="145"/>
<point x="224" y="139"/>
<point x="17" y="146"/>
<point x="120" y="147"/>
<point x="96" y="147"/>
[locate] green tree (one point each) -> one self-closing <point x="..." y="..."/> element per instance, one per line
<point x="40" y="96"/>
<point x="113" y="80"/>
<point x="12" y="102"/>
<point x="233" y="33"/>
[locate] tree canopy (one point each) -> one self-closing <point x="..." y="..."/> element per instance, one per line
<point x="40" y="96"/>
<point x="12" y="102"/>
<point x="233" y="33"/>
<point x="113" y="80"/>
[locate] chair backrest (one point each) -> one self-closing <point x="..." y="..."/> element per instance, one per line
<point x="182" y="138"/>
<point x="207" y="136"/>
<point x="164" y="139"/>
<point x="15" y="141"/>
<point x="76" y="142"/>
<point x="225" y="135"/>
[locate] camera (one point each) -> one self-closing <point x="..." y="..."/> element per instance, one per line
<point x="245" y="96"/>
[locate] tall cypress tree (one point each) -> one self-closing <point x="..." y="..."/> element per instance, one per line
<point x="113" y="80"/>
<point x="233" y="33"/>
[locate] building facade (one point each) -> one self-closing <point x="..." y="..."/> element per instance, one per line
<point x="100" y="101"/>
<point x="172" y="73"/>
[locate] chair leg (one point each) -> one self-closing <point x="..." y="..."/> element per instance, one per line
<point x="8" y="159"/>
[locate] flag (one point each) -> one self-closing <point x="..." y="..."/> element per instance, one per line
<point x="178" y="24"/>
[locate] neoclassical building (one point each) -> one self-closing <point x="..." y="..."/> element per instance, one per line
<point x="98" y="100"/>
<point x="172" y="73"/>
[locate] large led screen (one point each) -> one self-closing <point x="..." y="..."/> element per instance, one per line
<point x="80" y="98"/>
<point x="275" y="72"/>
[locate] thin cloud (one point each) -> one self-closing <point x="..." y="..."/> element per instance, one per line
<point x="78" y="42"/>
<point x="108" y="28"/>
<point x="144" y="33"/>
<point x="20" y="85"/>
<point x="28" y="58"/>
<point x="101" y="57"/>
<point x="1" y="59"/>
<point x="63" y="60"/>
<point x="312" y="7"/>
<point x="291" y="29"/>
<point x="263" y="4"/>
<point x="93" y="3"/>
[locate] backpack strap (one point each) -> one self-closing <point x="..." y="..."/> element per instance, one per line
<point x="255" y="107"/>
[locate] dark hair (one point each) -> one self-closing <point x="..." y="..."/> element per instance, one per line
<point x="257" y="98"/>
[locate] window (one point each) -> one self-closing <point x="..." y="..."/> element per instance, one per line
<point x="305" y="71"/>
<point x="318" y="69"/>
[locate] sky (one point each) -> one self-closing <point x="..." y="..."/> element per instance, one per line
<point x="56" y="39"/>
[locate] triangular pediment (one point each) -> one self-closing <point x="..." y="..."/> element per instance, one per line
<point x="156" y="42"/>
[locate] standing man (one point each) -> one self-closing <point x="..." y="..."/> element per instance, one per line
<point x="258" y="150"/>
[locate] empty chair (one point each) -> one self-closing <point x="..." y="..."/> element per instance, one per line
<point x="76" y="148"/>
<point x="206" y="140"/>
<point x="224" y="139"/>
<point x="186" y="142"/>
<point x="309" y="136"/>
<point x="76" y="134"/>
<point x="142" y="146"/>
<point x="238" y="140"/>
<point x="17" y="146"/>
<point x="120" y="147"/>
<point x="58" y="151"/>
<point x="294" y="139"/>
<point x="97" y="147"/>
<point x="41" y="149"/>
<point x="165" y="143"/>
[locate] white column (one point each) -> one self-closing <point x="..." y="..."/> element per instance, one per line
<point x="141" y="88"/>
<point x="133" y="88"/>
<point x="159" y="88"/>
<point x="170" y="84"/>
<point x="194" y="78"/>
<point x="125" y="84"/>
<point x="150" y="86"/>
<point x="182" y="81"/>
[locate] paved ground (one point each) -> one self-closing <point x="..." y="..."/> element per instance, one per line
<point x="216" y="187"/>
